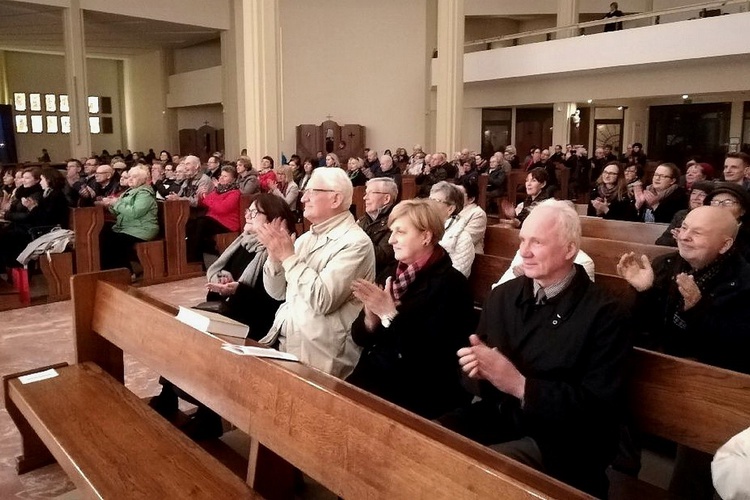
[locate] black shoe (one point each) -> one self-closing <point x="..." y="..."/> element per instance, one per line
<point x="205" y="424"/>
<point x="165" y="404"/>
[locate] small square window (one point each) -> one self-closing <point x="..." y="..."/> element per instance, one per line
<point x="52" y="125"/>
<point x="19" y="100"/>
<point x="22" y="124"/>
<point x="95" y="125"/>
<point x="50" y="103"/>
<point x="65" y="124"/>
<point x="64" y="106"/>
<point x="37" y="124"/>
<point x="93" y="104"/>
<point x="35" y="102"/>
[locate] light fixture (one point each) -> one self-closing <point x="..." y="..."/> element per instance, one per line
<point x="619" y="108"/>
<point x="685" y="96"/>
<point x="590" y="101"/>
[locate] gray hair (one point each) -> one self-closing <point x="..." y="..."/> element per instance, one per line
<point x="337" y="180"/>
<point x="453" y="195"/>
<point x="568" y="220"/>
<point x="387" y="185"/>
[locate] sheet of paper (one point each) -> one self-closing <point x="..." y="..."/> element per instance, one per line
<point x="36" y="377"/>
<point x="261" y="352"/>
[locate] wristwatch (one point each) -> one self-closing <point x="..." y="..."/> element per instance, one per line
<point x="387" y="319"/>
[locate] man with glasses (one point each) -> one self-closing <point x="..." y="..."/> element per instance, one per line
<point x="736" y="168"/>
<point x="380" y="197"/>
<point x="87" y="188"/>
<point x="314" y="275"/>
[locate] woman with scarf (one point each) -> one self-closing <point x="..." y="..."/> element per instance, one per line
<point x="222" y="215"/>
<point x="609" y="199"/>
<point x="413" y="324"/>
<point x="660" y="201"/>
<point x="266" y="174"/>
<point x="235" y="289"/>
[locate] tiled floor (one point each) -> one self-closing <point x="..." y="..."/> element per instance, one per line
<point x="43" y="335"/>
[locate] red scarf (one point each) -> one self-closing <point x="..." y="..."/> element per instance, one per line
<point x="406" y="274"/>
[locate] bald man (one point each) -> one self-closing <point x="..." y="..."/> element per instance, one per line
<point x="694" y="303"/>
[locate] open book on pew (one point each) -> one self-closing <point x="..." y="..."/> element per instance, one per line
<point x="212" y="323"/>
<point x="261" y="352"/>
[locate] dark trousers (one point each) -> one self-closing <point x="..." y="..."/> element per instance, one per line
<point x="200" y="232"/>
<point x="13" y="240"/>
<point x="116" y="249"/>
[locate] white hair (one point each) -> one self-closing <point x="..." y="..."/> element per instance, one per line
<point x="337" y="180"/>
<point x="569" y="223"/>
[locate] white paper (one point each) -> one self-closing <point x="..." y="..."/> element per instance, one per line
<point x="261" y="352"/>
<point x="36" y="377"/>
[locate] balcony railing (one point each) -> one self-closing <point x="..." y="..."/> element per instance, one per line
<point x="703" y="9"/>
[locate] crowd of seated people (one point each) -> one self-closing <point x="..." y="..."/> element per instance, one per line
<point x="383" y="302"/>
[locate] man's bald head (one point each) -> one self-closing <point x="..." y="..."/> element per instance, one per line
<point x="706" y="233"/>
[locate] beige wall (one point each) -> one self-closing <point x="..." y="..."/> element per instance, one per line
<point x="358" y="61"/>
<point x="203" y="55"/>
<point x="149" y="123"/>
<point x="28" y="72"/>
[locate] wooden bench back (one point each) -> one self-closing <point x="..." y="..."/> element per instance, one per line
<point x="353" y="443"/>
<point x="408" y="187"/>
<point x="503" y="241"/>
<point x="358" y="200"/>
<point x="516" y="179"/>
<point x="639" y="232"/>
<point x="87" y="223"/>
<point x="176" y="215"/>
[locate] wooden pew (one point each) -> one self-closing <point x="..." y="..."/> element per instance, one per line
<point x="516" y="179"/>
<point x="408" y="187"/>
<point x="105" y="438"/>
<point x="176" y="214"/>
<point x="503" y="241"/>
<point x="353" y="443"/>
<point x="639" y="232"/>
<point x="358" y="200"/>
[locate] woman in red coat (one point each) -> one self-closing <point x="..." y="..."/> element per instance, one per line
<point x="222" y="215"/>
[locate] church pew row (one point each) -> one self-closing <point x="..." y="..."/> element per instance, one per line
<point x="662" y="389"/>
<point x="351" y="442"/>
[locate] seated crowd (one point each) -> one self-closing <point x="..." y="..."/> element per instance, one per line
<point x="384" y="301"/>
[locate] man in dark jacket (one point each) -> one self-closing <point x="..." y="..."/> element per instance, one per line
<point x="431" y="175"/>
<point x="380" y="196"/>
<point x="549" y="357"/>
<point x="694" y="304"/>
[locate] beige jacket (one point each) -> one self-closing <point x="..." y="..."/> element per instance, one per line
<point x="315" y="321"/>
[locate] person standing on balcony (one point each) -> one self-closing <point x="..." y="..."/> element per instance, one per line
<point x="614" y="11"/>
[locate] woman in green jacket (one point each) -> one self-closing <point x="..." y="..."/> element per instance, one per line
<point x="136" y="213"/>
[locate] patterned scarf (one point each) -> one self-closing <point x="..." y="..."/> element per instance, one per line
<point x="223" y="188"/>
<point x="606" y="193"/>
<point x="660" y="195"/>
<point x="406" y="274"/>
<point x="703" y="277"/>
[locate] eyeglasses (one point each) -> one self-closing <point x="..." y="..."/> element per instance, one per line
<point x="445" y="202"/>
<point x="253" y="212"/>
<point x="316" y="190"/>
<point x="724" y="203"/>
<point x="662" y="176"/>
<point x="375" y="192"/>
<point x="609" y="173"/>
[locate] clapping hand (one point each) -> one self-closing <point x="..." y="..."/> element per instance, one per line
<point x="508" y="209"/>
<point x="601" y="206"/>
<point x="272" y="186"/>
<point x="690" y="292"/>
<point x="479" y="361"/>
<point x="224" y="289"/>
<point x="277" y="240"/>
<point x="378" y="302"/>
<point x="638" y="273"/>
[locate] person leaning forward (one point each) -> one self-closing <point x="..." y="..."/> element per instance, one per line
<point x="314" y="275"/>
<point x="549" y="358"/>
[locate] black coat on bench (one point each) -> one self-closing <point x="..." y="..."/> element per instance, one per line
<point x="413" y="363"/>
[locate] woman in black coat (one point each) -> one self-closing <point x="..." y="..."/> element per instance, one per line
<point x="410" y="331"/>
<point x="609" y="199"/>
<point x="663" y="198"/>
<point x="43" y="209"/>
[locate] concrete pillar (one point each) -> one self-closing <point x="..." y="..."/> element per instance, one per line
<point x="5" y="97"/>
<point x="450" y="75"/>
<point x="259" y="92"/>
<point x="567" y="14"/>
<point x="75" y="79"/>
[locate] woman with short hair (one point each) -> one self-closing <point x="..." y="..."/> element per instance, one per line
<point x="285" y="187"/>
<point x="266" y="173"/>
<point x="411" y="329"/>
<point x="457" y="241"/>
<point x="136" y="212"/>
<point x="536" y="181"/>
<point x="247" y="176"/>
